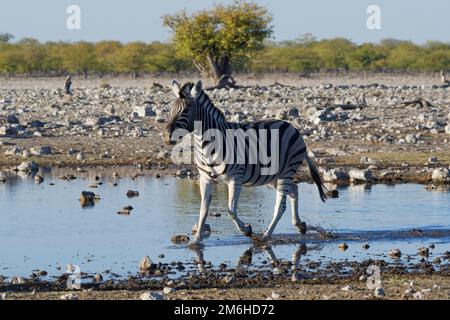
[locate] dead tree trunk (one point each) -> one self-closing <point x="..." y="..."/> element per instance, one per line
<point x="219" y="71"/>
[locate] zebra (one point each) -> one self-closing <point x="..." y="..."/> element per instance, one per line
<point x="192" y="105"/>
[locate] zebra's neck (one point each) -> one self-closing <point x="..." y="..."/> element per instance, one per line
<point x="209" y="115"/>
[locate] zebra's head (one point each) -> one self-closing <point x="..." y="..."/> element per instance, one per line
<point x="181" y="118"/>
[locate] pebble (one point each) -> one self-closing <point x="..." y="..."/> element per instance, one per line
<point x="98" y="278"/>
<point x="168" y="290"/>
<point x="379" y="292"/>
<point x="347" y="288"/>
<point x="395" y="253"/>
<point x="69" y="296"/>
<point x="275" y="295"/>
<point x="152" y="295"/>
<point x="146" y="265"/>
<point x="180" y="239"/>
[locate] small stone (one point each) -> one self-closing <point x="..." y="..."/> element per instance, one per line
<point x="28" y="166"/>
<point x="275" y="295"/>
<point x="132" y="193"/>
<point x="69" y="296"/>
<point x="87" y="198"/>
<point x="343" y="246"/>
<point x="168" y="290"/>
<point x="424" y="252"/>
<point x="362" y="278"/>
<point x="146" y="265"/>
<point x="360" y="175"/>
<point x="379" y="292"/>
<point x="409" y="291"/>
<point x="144" y="111"/>
<point x="179" y="239"/>
<point x="332" y="194"/>
<point x="80" y="156"/>
<point x="347" y="288"/>
<point x="125" y="210"/>
<point x="151" y="295"/>
<point x="418" y="295"/>
<point x="395" y="253"/>
<point x="441" y="175"/>
<point x="98" y="278"/>
<point x="366" y="246"/>
<point x="38" y="179"/>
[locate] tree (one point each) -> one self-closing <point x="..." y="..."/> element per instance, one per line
<point x="366" y="57"/>
<point x="333" y="53"/>
<point x="80" y="58"/>
<point x="131" y="58"/>
<point x="30" y="56"/>
<point x="5" y="37"/>
<point x="106" y="53"/>
<point x="214" y="38"/>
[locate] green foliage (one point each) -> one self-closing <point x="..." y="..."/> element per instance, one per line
<point x="5" y="37"/>
<point x="303" y="55"/>
<point x="233" y="31"/>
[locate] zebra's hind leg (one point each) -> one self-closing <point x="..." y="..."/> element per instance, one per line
<point x="234" y="190"/>
<point x="206" y="189"/>
<point x="293" y="195"/>
<point x="283" y="187"/>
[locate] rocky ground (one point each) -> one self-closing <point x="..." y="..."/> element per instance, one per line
<point x="380" y="129"/>
<point x="393" y="131"/>
<point x="409" y="287"/>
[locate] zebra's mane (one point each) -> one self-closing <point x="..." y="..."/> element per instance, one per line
<point x="185" y="92"/>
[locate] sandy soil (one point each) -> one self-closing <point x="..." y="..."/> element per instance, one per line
<point x="395" y="287"/>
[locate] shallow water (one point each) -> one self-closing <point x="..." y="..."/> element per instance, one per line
<point x="43" y="227"/>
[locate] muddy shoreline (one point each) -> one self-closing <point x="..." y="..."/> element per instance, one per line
<point x="334" y="281"/>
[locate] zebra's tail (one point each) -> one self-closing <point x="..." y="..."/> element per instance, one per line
<point x="316" y="177"/>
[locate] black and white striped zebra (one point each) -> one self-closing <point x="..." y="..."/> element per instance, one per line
<point x="194" y="107"/>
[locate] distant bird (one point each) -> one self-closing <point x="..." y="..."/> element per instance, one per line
<point x="68" y="84"/>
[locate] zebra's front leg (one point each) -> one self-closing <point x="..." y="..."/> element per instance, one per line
<point x="206" y="189"/>
<point x="234" y="190"/>
<point x="293" y="195"/>
<point x="280" y="206"/>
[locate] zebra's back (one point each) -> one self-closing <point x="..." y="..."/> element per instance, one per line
<point x="273" y="149"/>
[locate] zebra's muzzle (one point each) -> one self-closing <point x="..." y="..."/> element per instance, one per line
<point x="167" y="135"/>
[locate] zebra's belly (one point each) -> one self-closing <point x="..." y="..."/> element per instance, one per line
<point x="249" y="175"/>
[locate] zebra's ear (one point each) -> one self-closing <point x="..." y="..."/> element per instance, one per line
<point x="176" y="88"/>
<point x="197" y="89"/>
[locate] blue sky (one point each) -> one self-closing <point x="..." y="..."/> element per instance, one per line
<point x="131" y="20"/>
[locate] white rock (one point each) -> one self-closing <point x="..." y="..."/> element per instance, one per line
<point x="69" y="296"/>
<point x="347" y="288"/>
<point x="275" y="295"/>
<point x="39" y="151"/>
<point x="447" y="129"/>
<point x="441" y="175"/>
<point x="28" y="166"/>
<point x="418" y="295"/>
<point x="168" y="290"/>
<point x="360" y="175"/>
<point x="144" y="111"/>
<point x="379" y="292"/>
<point x="151" y="295"/>
<point x="14" y="151"/>
<point x="335" y="175"/>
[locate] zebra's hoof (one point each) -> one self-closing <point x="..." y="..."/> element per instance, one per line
<point x="302" y="228"/>
<point x="247" y="230"/>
